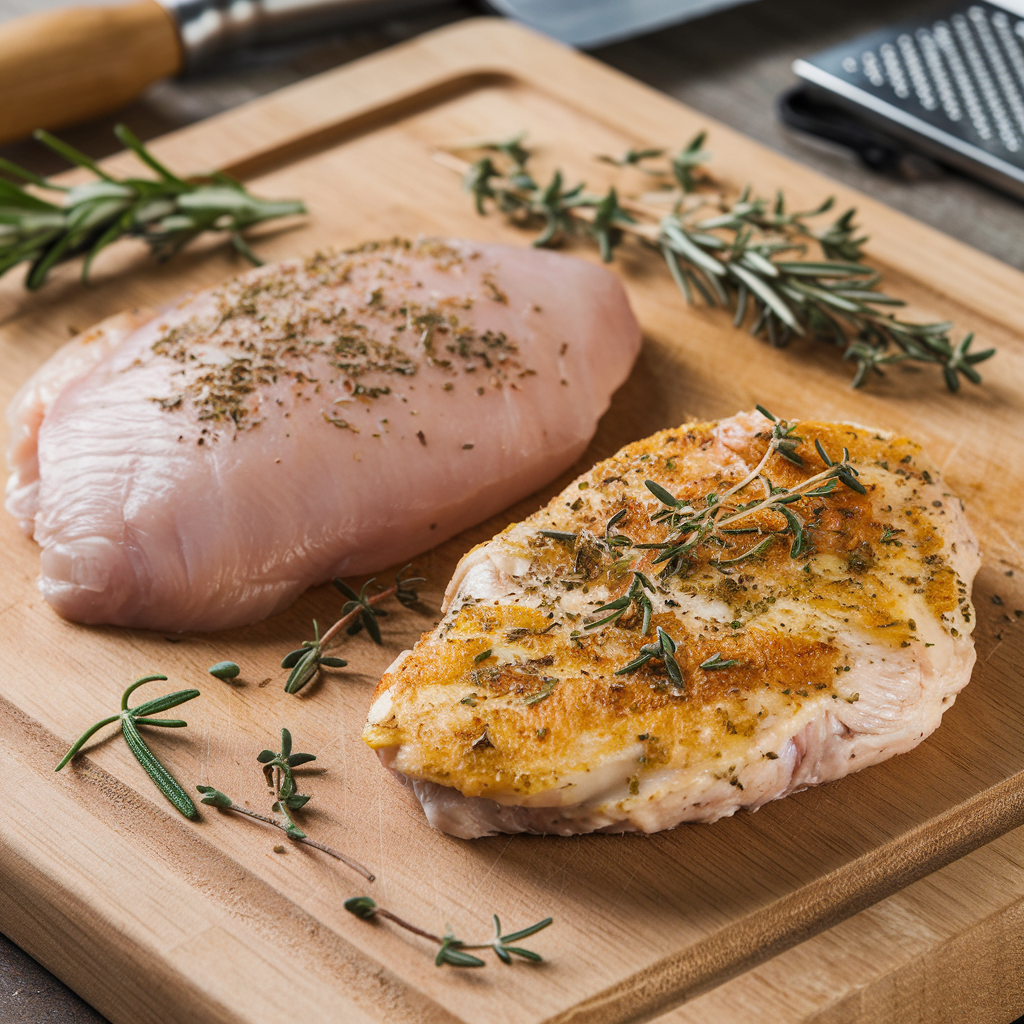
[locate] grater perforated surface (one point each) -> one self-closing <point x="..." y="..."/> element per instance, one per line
<point x="954" y="85"/>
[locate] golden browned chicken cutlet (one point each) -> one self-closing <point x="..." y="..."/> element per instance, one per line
<point x="715" y="617"/>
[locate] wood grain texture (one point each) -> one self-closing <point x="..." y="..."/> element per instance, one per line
<point x="60" y="67"/>
<point x="106" y="885"/>
<point x="946" y="950"/>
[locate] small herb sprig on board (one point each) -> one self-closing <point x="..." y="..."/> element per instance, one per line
<point x="166" y="212"/>
<point x="357" y="613"/>
<point x="739" y="254"/>
<point x="450" y="949"/>
<point x="279" y="768"/>
<point x="131" y="719"/>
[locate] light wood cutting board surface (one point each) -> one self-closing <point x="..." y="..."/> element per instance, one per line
<point x="153" y="918"/>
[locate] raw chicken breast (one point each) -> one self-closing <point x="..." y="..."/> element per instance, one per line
<point x="308" y="419"/>
<point x="30" y="404"/>
<point x="804" y="648"/>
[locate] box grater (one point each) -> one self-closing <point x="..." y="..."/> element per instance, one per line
<point x="952" y="86"/>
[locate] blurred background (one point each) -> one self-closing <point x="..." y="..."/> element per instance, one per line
<point x="732" y="65"/>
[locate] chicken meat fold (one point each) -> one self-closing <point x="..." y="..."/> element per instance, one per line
<point x="200" y="467"/>
<point x="808" y="644"/>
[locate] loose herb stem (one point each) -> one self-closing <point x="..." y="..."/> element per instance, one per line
<point x="346" y="620"/>
<point x="215" y="798"/>
<point x="278" y="769"/>
<point x="166" y="212"/>
<point x="382" y="912"/>
<point x="358" y="612"/>
<point x="452" y="950"/>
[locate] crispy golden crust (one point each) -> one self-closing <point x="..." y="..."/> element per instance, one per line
<point x="512" y="695"/>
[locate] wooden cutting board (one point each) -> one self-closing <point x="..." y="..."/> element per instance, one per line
<point x="154" y="918"/>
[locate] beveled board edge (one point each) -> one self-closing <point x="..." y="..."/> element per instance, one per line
<point x="268" y="132"/>
<point x="808" y="911"/>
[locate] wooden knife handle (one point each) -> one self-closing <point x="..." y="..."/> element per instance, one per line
<point x="64" y="66"/>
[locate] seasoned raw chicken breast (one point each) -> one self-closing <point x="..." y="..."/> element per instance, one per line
<point x="200" y="468"/>
<point x="763" y="616"/>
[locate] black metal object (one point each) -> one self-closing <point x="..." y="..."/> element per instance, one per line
<point x="950" y="86"/>
<point x="799" y="109"/>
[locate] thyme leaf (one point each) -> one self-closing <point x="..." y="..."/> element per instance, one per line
<point x="547" y="688"/>
<point x="634" y="597"/>
<point x="717" y="661"/>
<point x="131" y="719"/>
<point x="663" y="649"/>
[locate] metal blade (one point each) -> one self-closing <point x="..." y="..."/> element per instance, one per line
<point x="589" y="23"/>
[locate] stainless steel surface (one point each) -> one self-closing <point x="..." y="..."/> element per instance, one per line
<point x="208" y="28"/>
<point x="950" y="84"/>
<point x="588" y="23"/>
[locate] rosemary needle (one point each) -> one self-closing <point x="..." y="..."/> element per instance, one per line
<point x="131" y="719"/>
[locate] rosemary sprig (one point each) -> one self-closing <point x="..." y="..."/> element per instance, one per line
<point x="131" y="719"/>
<point x="357" y="613"/>
<point x="166" y="212"/>
<point x="451" y="950"/>
<point x="737" y="254"/>
<point x="278" y="768"/>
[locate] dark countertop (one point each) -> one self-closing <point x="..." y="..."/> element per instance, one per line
<point x="731" y="66"/>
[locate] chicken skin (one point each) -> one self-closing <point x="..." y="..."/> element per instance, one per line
<point x="201" y="467"/>
<point x="715" y="617"/>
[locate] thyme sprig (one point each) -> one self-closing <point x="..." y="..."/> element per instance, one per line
<point x="278" y="767"/>
<point x="452" y="950"/>
<point x="166" y="212"/>
<point x="634" y="596"/>
<point x="692" y="527"/>
<point x="696" y="525"/>
<point x="131" y="719"/>
<point x="663" y="649"/>
<point x="748" y="255"/>
<point x="358" y="613"/>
